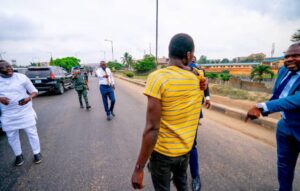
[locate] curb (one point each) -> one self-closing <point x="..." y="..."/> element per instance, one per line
<point x="268" y="123"/>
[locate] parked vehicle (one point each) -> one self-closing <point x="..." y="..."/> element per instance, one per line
<point x="21" y="70"/>
<point x="51" y="79"/>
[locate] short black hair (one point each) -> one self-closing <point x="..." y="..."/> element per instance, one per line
<point x="179" y="45"/>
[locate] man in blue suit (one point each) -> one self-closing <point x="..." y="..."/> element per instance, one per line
<point x="285" y="99"/>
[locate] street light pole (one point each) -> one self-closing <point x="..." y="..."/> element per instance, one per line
<point x="112" y="48"/>
<point x="156" y="45"/>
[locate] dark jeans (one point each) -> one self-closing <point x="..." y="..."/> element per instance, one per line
<point x="83" y="93"/>
<point x="162" y="166"/>
<point x="107" y="91"/>
<point x="288" y="148"/>
<point x="194" y="165"/>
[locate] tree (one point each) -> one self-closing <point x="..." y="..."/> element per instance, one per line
<point x="66" y="63"/>
<point x="211" y="75"/>
<point x="202" y="60"/>
<point x="128" y="61"/>
<point x="259" y="71"/>
<point x="145" y="65"/>
<point x="114" y="65"/>
<point x="296" y="36"/>
<point x="225" y="60"/>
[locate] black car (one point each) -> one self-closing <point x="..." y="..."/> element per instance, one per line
<point x="51" y="79"/>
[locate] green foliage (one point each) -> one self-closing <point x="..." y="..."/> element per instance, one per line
<point x="259" y="71"/>
<point x="225" y="60"/>
<point x="66" y="63"/>
<point x="225" y="76"/>
<point x="145" y="65"/>
<point x="296" y="36"/>
<point x="202" y="60"/>
<point x="129" y="74"/>
<point x="211" y="75"/>
<point x="113" y="65"/>
<point x="225" y="71"/>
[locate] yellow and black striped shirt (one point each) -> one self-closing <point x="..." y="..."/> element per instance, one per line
<point x="181" y="97"/>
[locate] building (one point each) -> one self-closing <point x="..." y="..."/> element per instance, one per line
<point x="233" y="68"/>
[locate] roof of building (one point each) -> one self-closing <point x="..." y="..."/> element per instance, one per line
<point x="273" y="59"/>
<point x="230" y="64"/>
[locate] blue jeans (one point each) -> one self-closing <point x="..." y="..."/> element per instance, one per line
<point x="107" y="91"/>
<point x="288" y="148"/>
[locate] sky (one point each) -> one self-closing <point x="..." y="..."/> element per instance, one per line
<point x="33" y="30"/>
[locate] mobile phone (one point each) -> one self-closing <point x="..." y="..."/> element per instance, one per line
<point x="21" y="100"/>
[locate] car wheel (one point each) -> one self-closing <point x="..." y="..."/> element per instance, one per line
<point x="60" y="88"/>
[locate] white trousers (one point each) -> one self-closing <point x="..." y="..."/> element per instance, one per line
<point x="33" y="137"/>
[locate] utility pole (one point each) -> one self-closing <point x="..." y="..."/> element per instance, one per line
<point x="273" y="50"/>
<point x="112" y="48"/>
<point x="156" y="44"/>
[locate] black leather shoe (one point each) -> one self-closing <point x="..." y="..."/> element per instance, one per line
<point x="37" y="158"/>
<point x="113" y="114"/>
<point x="81" y="106"/>
<point x="19" y="160"/>
<point x="196" y="184"/>
<point x="88" y="107"/>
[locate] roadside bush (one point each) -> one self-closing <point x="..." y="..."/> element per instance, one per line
<point x="145" y="65"/>
<point x="129" y="74"/>
<point x="211" y="75"/>
<point x="225" y="76"/>
<point x="66" y="63"/>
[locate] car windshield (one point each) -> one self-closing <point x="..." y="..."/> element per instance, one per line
<point x="38" y="72"/>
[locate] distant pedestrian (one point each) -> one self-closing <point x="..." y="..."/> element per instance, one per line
<point x="174" y="103"/>
<point x="285" y="99"/>
<point x="16" y="93"/>
<point x="81" y="86"/>
<point x="107" y="87"/>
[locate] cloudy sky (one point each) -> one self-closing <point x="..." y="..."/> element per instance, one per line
<point x="32" y="30"/>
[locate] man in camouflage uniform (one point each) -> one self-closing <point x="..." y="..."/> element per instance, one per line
<point x="81" y="86"/>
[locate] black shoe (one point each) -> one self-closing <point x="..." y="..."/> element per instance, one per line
<point x="108" y="118"/>
<point x="196" y="184"/>
<point x="113" y="114"/>
<point x="81" y="106"/>
<point x="88" y="107"/>
<point x="37" y="158"/>
<point x="19" y="160"/>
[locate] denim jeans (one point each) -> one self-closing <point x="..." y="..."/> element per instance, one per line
<point x="107" y="91"/>
<point x="162" y="167"/>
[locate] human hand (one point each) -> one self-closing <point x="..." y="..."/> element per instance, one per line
<point x="24" y="101"/>
<point x="202" y="84"/>
<point x="207" y="104"/>
<point x="4" y="100"/>
<point x="137" y="179"/>
<point x="105" y="76"/>
<point x="253" y="113"/>
<point x="114" y="87"/>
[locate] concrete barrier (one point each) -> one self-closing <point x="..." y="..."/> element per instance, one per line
<point x="229" y="111"/>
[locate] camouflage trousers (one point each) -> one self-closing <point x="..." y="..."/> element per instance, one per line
<point x="83" y="93"/>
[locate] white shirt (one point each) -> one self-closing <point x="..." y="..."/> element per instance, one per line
<point x="104" y="81"/>
<point x="13" y="115"/>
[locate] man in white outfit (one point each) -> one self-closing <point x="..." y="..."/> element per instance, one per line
<point x="107" y="87"/>
<point x="16" y="92"/>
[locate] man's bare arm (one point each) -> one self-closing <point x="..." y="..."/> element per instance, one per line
<point x="149" y="140"/>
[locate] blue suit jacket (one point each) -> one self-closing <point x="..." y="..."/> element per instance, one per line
<point x="290" y="105"/>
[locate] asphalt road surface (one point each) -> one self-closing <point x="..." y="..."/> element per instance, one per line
<point x="82" y="151"/>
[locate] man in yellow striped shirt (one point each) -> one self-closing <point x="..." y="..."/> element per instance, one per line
<point x="174" y="104"/>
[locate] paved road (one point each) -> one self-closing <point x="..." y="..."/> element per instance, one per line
<point x="83" y="151"/>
